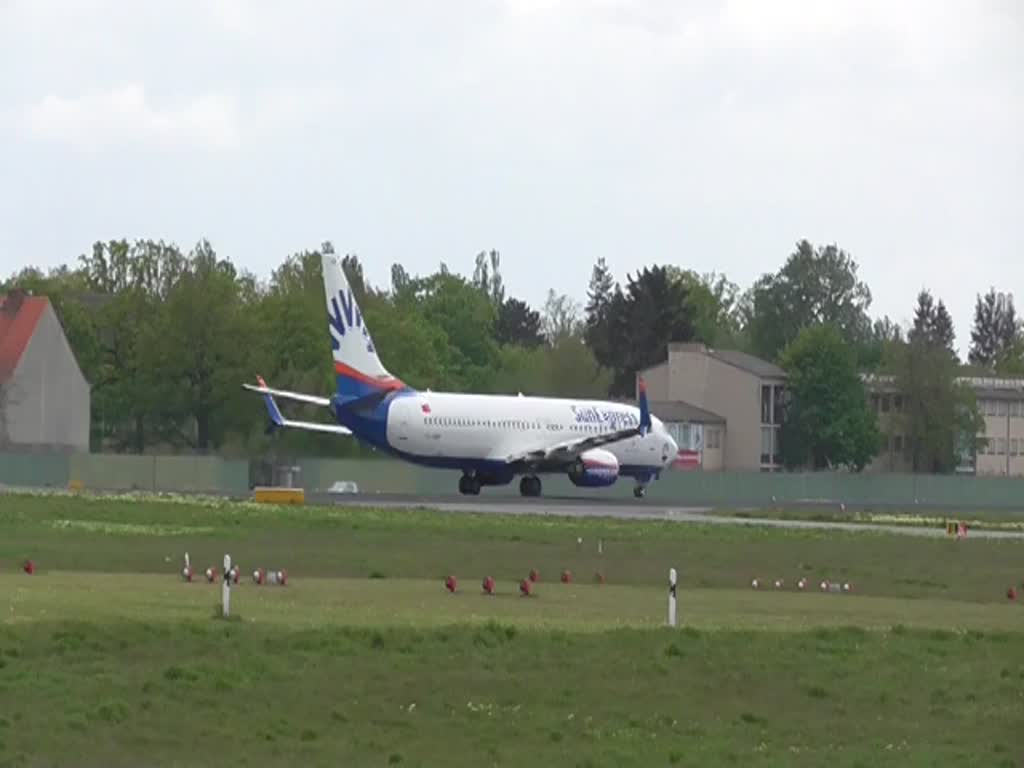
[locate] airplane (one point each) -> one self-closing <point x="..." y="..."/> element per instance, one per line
<point x="492" y="439"/>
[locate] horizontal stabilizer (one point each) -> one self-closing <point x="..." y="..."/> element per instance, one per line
<point x="278" y="420"/>
<point x="299" y="397"/>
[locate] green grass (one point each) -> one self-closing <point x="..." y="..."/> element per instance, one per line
<point x="107" y="658"/>
<point x="205" y="692"/>
<point x="976" y="520"/>
<point x="144" y="536"/>
<point x="423" y="604"/>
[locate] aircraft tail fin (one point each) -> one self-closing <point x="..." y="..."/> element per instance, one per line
<point x="358" y="370"/>
<point x="645" y="410"/>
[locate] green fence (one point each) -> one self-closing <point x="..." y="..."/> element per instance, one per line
<point x="109" y="472"/>
<point x="206" y="474"/>
<point x="700" y="488"/>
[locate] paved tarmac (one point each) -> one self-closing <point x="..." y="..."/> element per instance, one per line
<point x="624" y="510"/>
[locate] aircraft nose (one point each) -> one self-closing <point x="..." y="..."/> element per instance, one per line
<point x="671" y="449"/>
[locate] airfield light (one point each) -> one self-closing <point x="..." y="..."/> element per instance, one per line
<point x="671" y="597"/>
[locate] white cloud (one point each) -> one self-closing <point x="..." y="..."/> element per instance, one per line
<point x="123" y="116"/>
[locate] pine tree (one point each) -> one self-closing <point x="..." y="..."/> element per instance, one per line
<point x="600" y="295"/>
<point x="933" y="325"/>
<point x="996" y="330"/>
<point x="943" y="333"/>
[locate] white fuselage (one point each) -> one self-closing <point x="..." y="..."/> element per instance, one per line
<point x="453" y="427"/>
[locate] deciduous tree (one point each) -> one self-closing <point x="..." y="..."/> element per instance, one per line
<point x="816" y="285"/>
<point x="828" y="421"/>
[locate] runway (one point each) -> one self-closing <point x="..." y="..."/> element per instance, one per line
<point x="638" y="510"/>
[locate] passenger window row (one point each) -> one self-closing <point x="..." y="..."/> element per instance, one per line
<point x="443" y="421"/>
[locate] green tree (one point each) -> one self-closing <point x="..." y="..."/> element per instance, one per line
<point x="933" y="324"/>
<point x="828" y="421"/>
<point x="816" y="285"/>
<point x="561" y="317"/>
<point x="996" y="331"/>
<point x="130" y="282"/>
<point x="653" y="311"/>
<point x="487" y="276"/>
<point x="940" y="415"/>
<point x="467" y="317"/>
<point x="714" y="300"/>
<point x="874" y="351"/>
<point x="198" y="350"/>
<point x="597" y="314"/>
<point x="565" y="369"/>
<point x="518" y="324"/>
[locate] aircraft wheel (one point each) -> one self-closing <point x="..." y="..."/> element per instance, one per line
<point x="639" y="491"/>
<point x="530" y="486"/>
<point x="469" y="485"/>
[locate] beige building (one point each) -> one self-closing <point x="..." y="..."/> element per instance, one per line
<point x="1000" y="446"/>
<point x="724" y="409"/>
<point x="724" y="405"/>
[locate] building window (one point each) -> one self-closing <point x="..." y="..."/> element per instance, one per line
<point x="1015" y="408"/>
<point x="897" y="403"/>
<point x="990" y="407"/>
<point x="897" y="445"/>
<point x="714" y="439"/>
<point x="874" y="403"/>
<point x="766" y="445"/>
<point x="778" y="405"/>
<point x="1013" y="446"/>
<point x="1001" y="408"/>
<point x="1001" y="446"/>
<point x="766" y="404"/>
<point x="885" y="403"/>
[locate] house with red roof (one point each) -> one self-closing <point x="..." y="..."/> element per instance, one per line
<point x="44" y="398"/>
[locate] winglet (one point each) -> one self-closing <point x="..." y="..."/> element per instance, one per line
<point x="276" y="419"/>
<point x="645" y="411"/>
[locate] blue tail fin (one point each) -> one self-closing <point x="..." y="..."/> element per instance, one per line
<point x="645" y="410"/>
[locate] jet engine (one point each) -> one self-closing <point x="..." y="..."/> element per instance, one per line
<point x="595" y="468"/>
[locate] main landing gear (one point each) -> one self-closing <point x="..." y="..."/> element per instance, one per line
<point x="469" y="485"/>
<point x="639" y="490"/>
<point x="530" y="486"/>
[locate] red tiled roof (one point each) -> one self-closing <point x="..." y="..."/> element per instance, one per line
<point x="16" y="329"/>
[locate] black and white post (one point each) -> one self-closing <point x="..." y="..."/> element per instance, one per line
<point x="225" y="589"/>
<point x="671" y="597"/>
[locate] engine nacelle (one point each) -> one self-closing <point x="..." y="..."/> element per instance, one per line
<point x="595" y="468"/>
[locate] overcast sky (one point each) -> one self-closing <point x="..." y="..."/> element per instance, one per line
<point x="708" y="135"/>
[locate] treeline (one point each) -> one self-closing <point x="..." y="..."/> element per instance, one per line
<point x="165" y="337"/>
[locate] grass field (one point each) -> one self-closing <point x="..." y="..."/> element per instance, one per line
<point x="108" y="658"/>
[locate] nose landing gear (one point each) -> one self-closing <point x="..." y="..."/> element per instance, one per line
<point x="639" y="490"/>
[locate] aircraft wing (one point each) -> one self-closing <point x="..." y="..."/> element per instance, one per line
<point x="278" y="420"/>
<point x="567" y="451"/>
